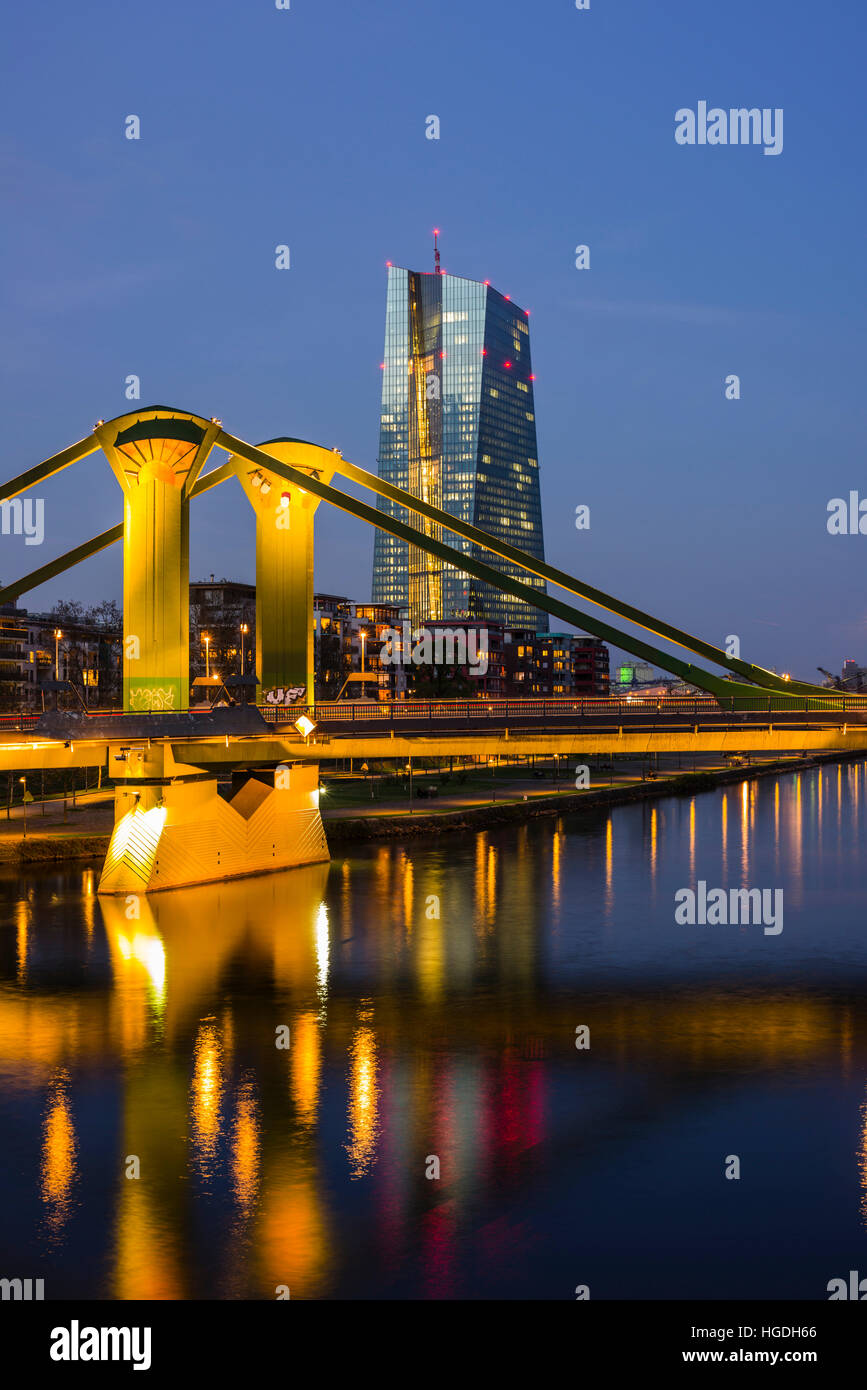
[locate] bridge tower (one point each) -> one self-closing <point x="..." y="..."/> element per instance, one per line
<point x="284" y="562"/>
<point x="156" y="456"/>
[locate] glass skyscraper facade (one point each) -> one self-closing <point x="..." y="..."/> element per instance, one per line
<point x="458" y="430"/>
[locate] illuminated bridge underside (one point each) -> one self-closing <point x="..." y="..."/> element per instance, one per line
<point x="636" y="742"/>
<point x="172" y="827"/>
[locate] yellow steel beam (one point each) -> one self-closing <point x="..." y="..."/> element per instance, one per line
<point x="751" y="672"/>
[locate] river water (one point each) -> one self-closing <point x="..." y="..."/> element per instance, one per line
<point x="159" y="1141"/>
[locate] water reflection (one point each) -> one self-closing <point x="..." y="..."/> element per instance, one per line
<point x="431" y="992"/>
<point x="58" y="1166"/>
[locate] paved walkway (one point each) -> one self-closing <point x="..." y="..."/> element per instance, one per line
<point x="93" y="814"/>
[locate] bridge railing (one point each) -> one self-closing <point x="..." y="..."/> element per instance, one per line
<point x="478" y="712"/>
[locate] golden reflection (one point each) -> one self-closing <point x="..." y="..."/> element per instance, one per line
<point x="292" y="1241"/>
<point x="725" y="833"/>
<point x="481" y="846"/>
<point x="692" y="840"/>
<point x="382" y="871"/>
<point x="407" y="894"/>
<point x="88" y="902"/>
<point x="485" y="883"/>
<point x="796" y="836"/>
<point x="363" y="1097"/>
<point x="245" y="1148"/>
<point x="22" y="938"/>
<point x="345" y="896"/>
<point x="322" y="951"/>
<point x="555" y="869"/>
<point x="58" y="1168"/>
<point x="147" y="950"/>
<point x="609" y="865"/>
<point x="305" y="1065"/>
<point x="147" y="1262"/>
<point x="206" y="1091"/>
<point x="430" y="956"/>
<point x="745" y="832"/>
<point x="654" y="842"/>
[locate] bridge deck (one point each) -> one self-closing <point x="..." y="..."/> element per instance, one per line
<point x="438" y="731"/>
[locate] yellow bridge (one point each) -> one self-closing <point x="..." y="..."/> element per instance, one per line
<point x="172" y="827"/>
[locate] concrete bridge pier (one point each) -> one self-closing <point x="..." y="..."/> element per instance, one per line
<point x="174" y="828"/>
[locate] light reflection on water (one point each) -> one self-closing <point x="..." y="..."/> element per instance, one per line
<point x="162" y="1143"/>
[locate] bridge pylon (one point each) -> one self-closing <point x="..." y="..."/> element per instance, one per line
<point x="156" y="456"/>
<point x="284" y="562"/>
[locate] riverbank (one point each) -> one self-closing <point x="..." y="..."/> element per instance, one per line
<point x="592" y="803"/>
<point x="89" y="838"/>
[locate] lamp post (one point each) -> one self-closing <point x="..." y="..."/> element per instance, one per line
<point x="57" y="636"/>
<point x="23" y="781"/>
<point x="244" y="630"/>
<point x="207" y="641"/>
<point x="363" y="640"/>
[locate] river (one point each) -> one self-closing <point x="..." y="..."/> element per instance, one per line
<point x="361" y="1080"/>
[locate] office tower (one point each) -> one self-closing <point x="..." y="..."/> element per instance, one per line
<point x="457" y="429"/>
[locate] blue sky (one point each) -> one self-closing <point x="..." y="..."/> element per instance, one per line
<point x="307" y="127"/>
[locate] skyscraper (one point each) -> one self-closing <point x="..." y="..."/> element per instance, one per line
<point x="457" y="429"/>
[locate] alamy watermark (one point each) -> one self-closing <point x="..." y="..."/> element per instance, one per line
<point x="721" y="907"/>
<point x="24" y="516"/>
<point x="442" y="646"/>
<point x="737" y="126"/>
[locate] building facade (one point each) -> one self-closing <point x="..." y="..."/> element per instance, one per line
<point x="81" y="648"/>
<point x="223" y="611"/>
<point x="458" y="430"/>
<point x="555" y="665"/>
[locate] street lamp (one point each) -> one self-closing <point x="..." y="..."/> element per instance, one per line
<point x="244" y="630"/>
<point x="57" y="636"/>
<point x="363" y="640"/>
<point x="207" y="641"/>
<point x="23" y="781"/>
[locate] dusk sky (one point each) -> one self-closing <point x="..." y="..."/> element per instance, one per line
<point x="261" y="127"/>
